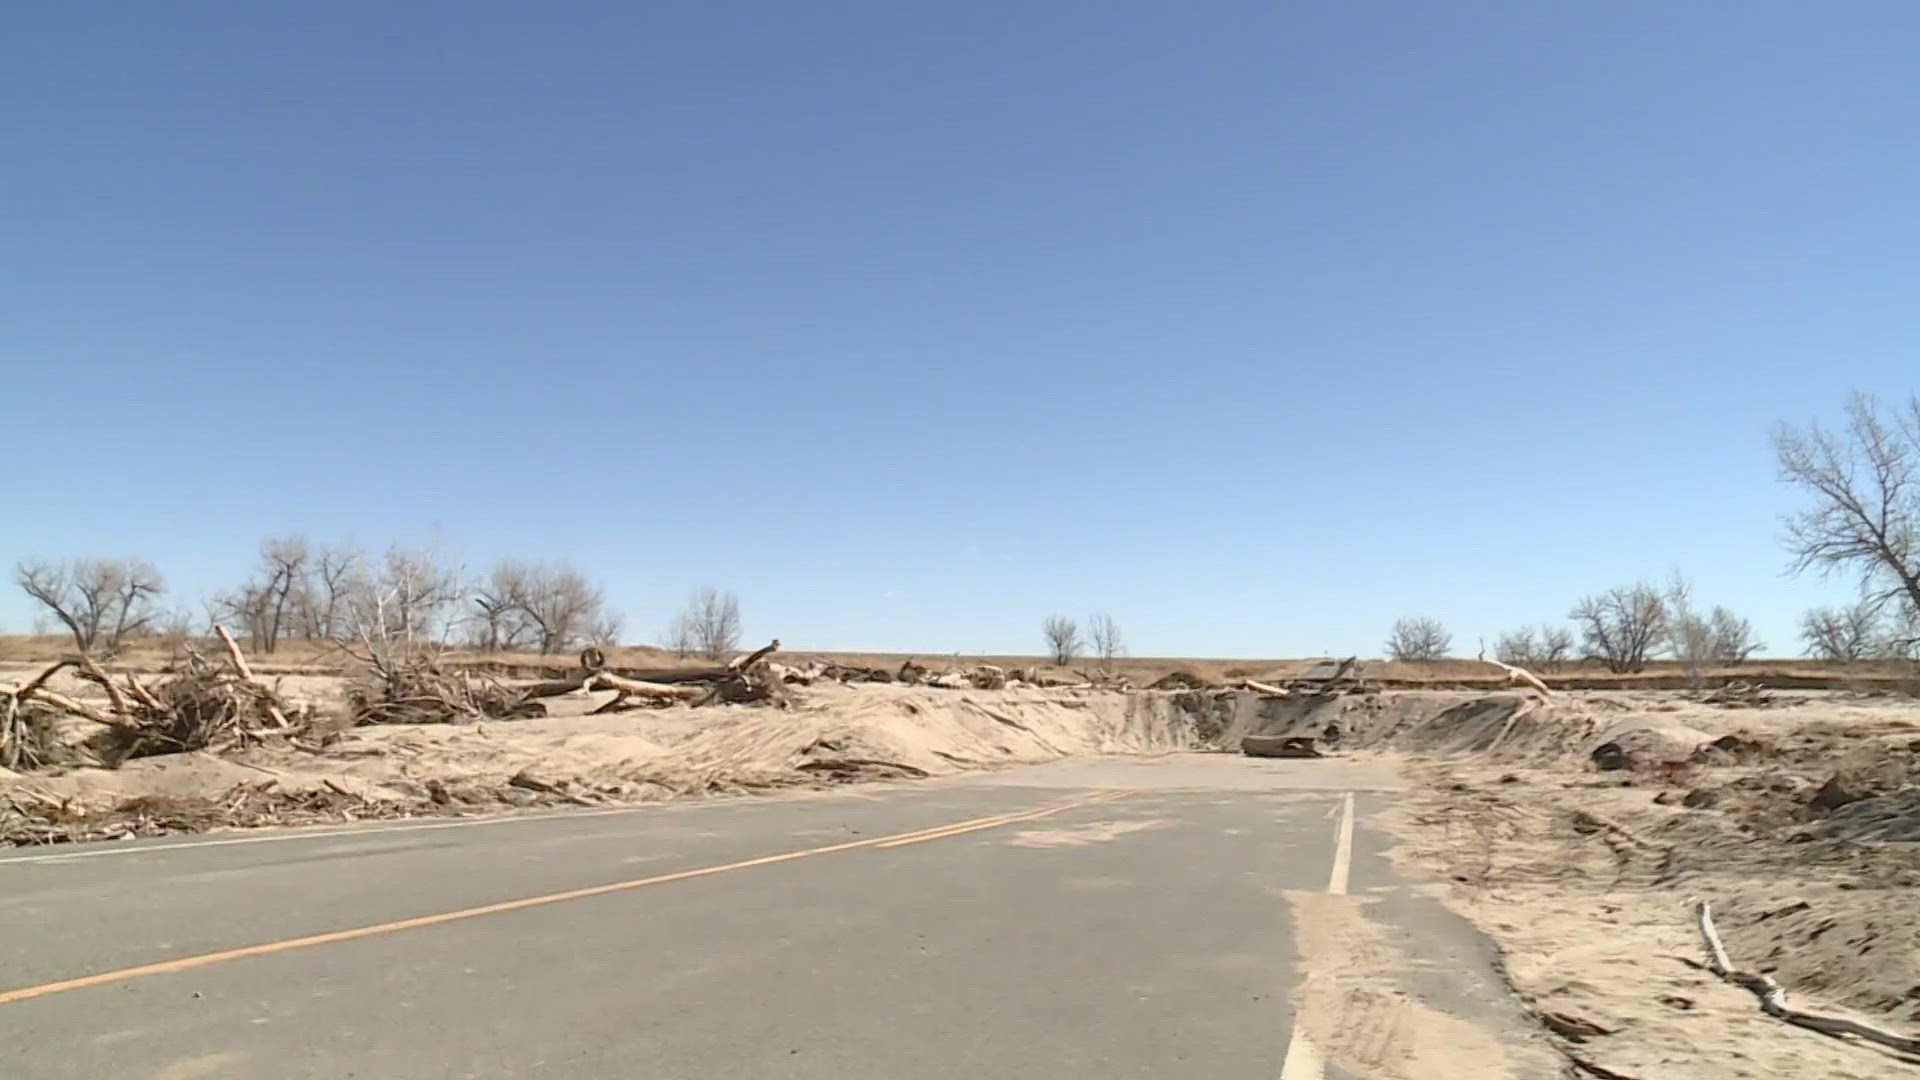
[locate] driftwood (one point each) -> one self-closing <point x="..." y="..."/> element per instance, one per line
<point x="18" y="742"/>
<point x="1265" y="688"/>
<point x="637" y="688"/>
<point x="202" y="707"/>
<point x="423" y="693"/>
<point x="742" y="663"/>
<point x="747" y="679"/>
<point x="1280" y="746"/>
<point x="1517" y="676"/>
<point x="1773" y="997"/>
<point x="628" y="689"/>
<point x="245" y="670"/>
<point x="528" y="782"/>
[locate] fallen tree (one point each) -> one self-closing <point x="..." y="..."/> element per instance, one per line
<point x="205" y="706"/>
<point x="424" y="691"/>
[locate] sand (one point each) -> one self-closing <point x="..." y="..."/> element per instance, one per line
<point x="837" y="735"/>
<point x="1586" y="883"/>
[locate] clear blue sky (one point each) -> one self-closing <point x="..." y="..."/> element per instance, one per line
<point x="1255" y="324"/>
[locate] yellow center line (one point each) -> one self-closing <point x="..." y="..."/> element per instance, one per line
<point x="187" y="963"/>
<point x="967" y="827"/>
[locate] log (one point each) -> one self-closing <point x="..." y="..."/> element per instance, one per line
<point x="91" y="672"/>
<point x="1280" y="746"/>
<point x="40" y="680"/>
<point x="233" y="653"/>
<point x="638" y="688"/>
<point x="1265" y="688"/>
<point x="145" y="695"/>
<point x="86" y="712"/>
<point x="678" y="675"/>
<point x="1518" y="675"/>
<point x="555" y="687"/>
<point x="246" y="676"/>
<point x="1773" y="997"/>
<point x="742" y="663"/>
<point x="528" y="782"/>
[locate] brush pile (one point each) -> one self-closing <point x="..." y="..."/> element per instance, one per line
<point x="27" y="818"/>
<point x="207" y="705"/>
<point x="419" y="690"/>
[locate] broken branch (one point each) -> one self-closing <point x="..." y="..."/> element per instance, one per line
<point x="742" y="663"/>
<point x="246" y="675"/>
<point x="1773" y="997"/>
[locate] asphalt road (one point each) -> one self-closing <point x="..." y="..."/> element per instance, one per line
<point x="1088" y="919"/>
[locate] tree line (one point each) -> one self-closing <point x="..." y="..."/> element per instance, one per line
<point x="298" y="590"/>
<point x="1624" y="628"/>
<point x="1860" y="519"/>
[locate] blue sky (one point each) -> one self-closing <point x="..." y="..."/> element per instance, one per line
<point x="1255" y="324"/>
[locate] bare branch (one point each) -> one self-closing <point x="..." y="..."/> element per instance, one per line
<point x="1621" y="626"/>
<point x="1419" y="639"/>
<point x="710" y="623"/>
<point x="1842" y="635"/>
<point x="101" y="602"/>
<point x="1063" y="638"/>
<point x="1864" y="516"/>
<point x="1104" y="634"/>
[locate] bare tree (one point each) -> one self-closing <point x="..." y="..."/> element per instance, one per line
<point x="332" y="568"/>
<point x="284" y="562"/>
<point x="499" y="626"/>
<point x="399" y="610"/>
<point x="604" y="631"/>
<point x="1556" y="647"/>
<point x="1901" y="641"/>
<point x="1521" y="648"/>
<point x="1104" y="635"/>
<point x="403" y="605"/>
<point x="1689" y="635"/>
<point x="1843" y="634"/>
<point x="1418" y="639"/>
<point x="176" y="635"/>
<point x="244" y="608"/>
<point x="278" y="600"/>
<point x="1700" y="640"/>
<point x="1730" y="638"/>
<point x="711" y="622"/>
<point x="1864" y="483"/>
<point x="1063" y="638"/>
<point x="678" y="638"/>
<point x="562" y="607"/>
<point x="101" y="602"/>
<point x="1621" y="626"/>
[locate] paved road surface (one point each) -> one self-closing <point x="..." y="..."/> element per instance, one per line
<point x="1108" y="918"/>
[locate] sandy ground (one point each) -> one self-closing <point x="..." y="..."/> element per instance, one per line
<point x="837" y="735"/>
<point x="1586" y="879"/>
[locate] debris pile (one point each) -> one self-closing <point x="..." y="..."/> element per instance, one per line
<point x="205" y="706"/>
<point x="1178" y="680"/>
<point x="1739" y="695"/>
<point x="37" y="819"/>
<point x="421" y="691"/>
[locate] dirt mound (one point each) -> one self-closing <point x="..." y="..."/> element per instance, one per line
<point x="1433" y="722"/>
<point x="840" y="734"/>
